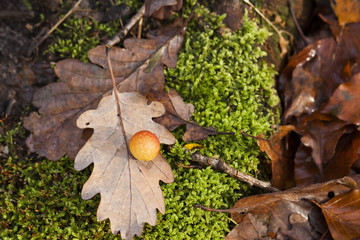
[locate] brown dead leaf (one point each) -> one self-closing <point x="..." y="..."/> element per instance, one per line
<point x="281" y="159"/>
<point x="344" y="103"/>
<point x="129" y="188"/>
<point x="342" y="214"/>
<point x="346" y="153"/>
<point x="348" y="44"/>
<point x="162" y="9"/>
<point x="322" y="137"/>
<point x="137" y="67"/>
<point x="347" y="11"/>
<point x="179" y="113"/>
<point x="311" y="87"/>
<point x="311" y="77"/>
<point x="285" y="214"/>
<point x="234" y="11"/>
<point x="284" y="46"/>
<point x="305" y="170"/>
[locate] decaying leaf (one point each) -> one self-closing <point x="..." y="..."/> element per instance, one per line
<point x="129" y="188"/>
<point x="322" y="136"/>
<point x="344" y="103"/>
<point x="305" y="170"/>
<point x="347" y="11"/>
<point x="234" y="11"/>
<point x="288" y="214"/>
<point x="137" y="67"/>
<point x="162" y="9"/>
<point x="319" y="90"/>
<point x="311" y="77"/>
<point x="342" y="214"/>
<point x="281" y="159"/>
<point x="346" y="153"/>
<point x="179" y="113"/>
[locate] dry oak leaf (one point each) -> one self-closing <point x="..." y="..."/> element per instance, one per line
<point x="279" y="153"/>
<point x="137" y="67"/>
<point x="344" y="103"/>
<point x="129" y="188"/>
<point x="342" y="214"/>
<point x="347" y="11"/>
<point x="306" y="171"/>
<point x="286" y="215"/>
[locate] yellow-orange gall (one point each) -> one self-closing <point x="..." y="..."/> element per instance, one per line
<point x="144" y="145"/>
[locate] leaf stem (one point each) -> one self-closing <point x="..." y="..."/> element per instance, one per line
<point x="116" y="96"/>
<point x="122" y="124"/>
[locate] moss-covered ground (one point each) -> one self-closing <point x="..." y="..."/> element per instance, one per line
<point x="222" y="74"/>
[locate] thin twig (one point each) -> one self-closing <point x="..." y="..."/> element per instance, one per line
<point x="123" y="32"/>
<point x="279" y="32"/>
<point x="10" y="107"/>
<point x="55" y="26"/>
<point x="140" y="28"/>
<point x="302" y="35"/>
<point x="213" y="209"/>
<point x="220" y="165"/>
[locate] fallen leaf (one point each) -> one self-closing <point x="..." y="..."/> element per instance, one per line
<point x="179" y="113"/>
<point x="312" y="85"/>
<point x="305" y="170"/>
<point x="191" y="146"/>
<point x="311" y="77"/>
<point x="348" y="45"/>
<point x="281" y="158"/>
<point x="347" y="152"/>
<point x="342" y="214"/>
<point x="344" y="103"/>
<point x="162" y="9"/>
<point x="129" y="188"/>
<point x="322" y="137"/>
<point x="234" y="11"/>
<point x="284" y="45"/>
<point x="347" y="11"/>
<point x="137" y="67"/>
<point x="285" y="214"/>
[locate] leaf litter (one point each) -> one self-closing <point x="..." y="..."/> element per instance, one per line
<point x="319" y="89"/>
<point x="288" y="214"/>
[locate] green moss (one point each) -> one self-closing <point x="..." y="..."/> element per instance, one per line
<point x="230" y="86"/>
<point x="77" y="36"/>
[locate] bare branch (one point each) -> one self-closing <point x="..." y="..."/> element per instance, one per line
<point x="219" y="164"/>
<point x="123" y="32"/>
